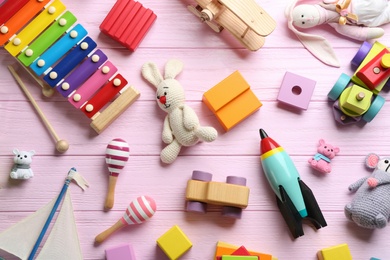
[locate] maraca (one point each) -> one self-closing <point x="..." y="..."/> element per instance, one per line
<point x="117" y="154"/>
<point x="139" y="210"/>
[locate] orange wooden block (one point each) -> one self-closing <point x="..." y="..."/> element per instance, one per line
<point x="128" y="22"/>
<point x="227" y="249"/>
<point x="231" y="100"/>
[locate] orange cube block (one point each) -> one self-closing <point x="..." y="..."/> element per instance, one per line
<point x="231" y="100"/>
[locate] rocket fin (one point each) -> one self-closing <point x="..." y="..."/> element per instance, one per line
<point x="314" y="213"/>
<point x="290" y="213"/>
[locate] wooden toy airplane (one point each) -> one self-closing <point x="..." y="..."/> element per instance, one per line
<point x="245" y="20"/>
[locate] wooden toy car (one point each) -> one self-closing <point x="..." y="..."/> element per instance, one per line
<point x="245" y="20"/>
<point x="233" y="195"/>
<point x="357" y="98"/>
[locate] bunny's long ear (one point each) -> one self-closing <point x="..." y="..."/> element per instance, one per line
<point x="318" y="46"/>
<point x="173" y="68"/>
<point x="151" y="73"/>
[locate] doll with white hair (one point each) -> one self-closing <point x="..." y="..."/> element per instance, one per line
<point x="356" y="19"/>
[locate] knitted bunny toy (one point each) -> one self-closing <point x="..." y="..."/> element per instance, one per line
<point x="181" y="125"/>
<point x="356" y="19"/>
<point x="370" y="207"/>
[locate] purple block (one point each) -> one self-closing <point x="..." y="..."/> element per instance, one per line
<point x="122" y="252"/>
<point x="296" y="90"/>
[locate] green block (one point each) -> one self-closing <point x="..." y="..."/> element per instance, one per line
<point x="352" y="103"/>
<point x="47" y="38"/>
<point x="239" y="257"/>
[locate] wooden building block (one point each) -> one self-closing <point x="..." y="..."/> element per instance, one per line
<point x="120" y="252"/>
<point x="227" y="249"/>
<point x="174" y="243"/>
<point x="128" y="22"/>
<point x="339" y="252"/>
<point x="296" y="90"/>
<point x="231" y="100"/>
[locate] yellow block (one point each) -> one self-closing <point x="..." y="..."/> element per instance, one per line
<point x="174" y="243"/>
<point x="339" y="252"/>
<point x="231" y="100"/>
<point x="227" y="249"/>
<point x="34" y="28"/>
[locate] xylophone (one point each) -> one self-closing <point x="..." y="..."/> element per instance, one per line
<point x="44" y="37"/>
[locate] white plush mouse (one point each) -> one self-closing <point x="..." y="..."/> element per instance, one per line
<point x="181" y="125"/>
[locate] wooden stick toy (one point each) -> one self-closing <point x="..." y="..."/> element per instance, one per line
<point x="61" y="145"/>
<point x="117" y="154"/>
<point x="139" y="210"/>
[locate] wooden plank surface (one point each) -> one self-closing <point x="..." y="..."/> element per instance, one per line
<point x="208" y="58"/>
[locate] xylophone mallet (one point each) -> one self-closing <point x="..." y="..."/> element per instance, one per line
<point x="117" y="154"/>
<point x="61" y="145"/>
<point x="139" y="210"/>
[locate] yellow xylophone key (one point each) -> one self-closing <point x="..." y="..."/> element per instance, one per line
<point x="35" y="27"/>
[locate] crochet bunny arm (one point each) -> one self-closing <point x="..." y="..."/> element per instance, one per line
<point x="356" y="185"/>
<point x="190" y="119"/>
<point x="359" y="33"/>
<point x="167" y="135"/>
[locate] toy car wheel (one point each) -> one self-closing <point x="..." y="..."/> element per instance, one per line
<point x="236" y="180"/>
<point x="195" y="206"/>
<point x="374" y="109"/>
<point x="201" y="176"/>
<point x="231" y="212"/>
<point x="360" y="55"/>
<point x="339" y="87"/>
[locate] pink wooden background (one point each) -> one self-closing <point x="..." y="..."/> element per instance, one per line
<point x="208" y="58"/>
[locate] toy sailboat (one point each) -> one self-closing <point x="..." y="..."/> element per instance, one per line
<point x="23" y="238"/>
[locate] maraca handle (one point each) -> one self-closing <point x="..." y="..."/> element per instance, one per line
<point x="105" y="234"/>
<point x="111" y="192"/>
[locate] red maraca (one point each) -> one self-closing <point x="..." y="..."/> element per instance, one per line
<point x="117" y="154"/>
<point x="139" y="210"/>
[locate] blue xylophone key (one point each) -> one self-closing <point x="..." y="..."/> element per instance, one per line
<point x="82" y="73"/>
<point x="71" y="60"/>
<point x="57" y="50"/>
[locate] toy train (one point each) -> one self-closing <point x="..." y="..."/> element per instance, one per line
<point x="44" y="37"/>
<point x="361" y="100"/>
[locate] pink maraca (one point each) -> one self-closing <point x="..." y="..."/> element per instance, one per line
<point x="139" y="210"/>
<point x="117" y="154"/>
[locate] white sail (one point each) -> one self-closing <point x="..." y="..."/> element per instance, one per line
<point x="20" y="238"/>
<point x="63" y="242"/>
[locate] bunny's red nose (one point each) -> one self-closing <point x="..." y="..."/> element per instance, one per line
<point x="163" y="100"/>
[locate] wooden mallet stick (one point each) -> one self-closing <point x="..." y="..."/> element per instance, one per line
<point x="61" y="145"/>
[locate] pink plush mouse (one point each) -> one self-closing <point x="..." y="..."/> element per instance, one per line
<point x="321" y="160"/>
<point x="356" y="19"/>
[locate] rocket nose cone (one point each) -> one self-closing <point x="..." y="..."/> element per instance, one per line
<point x="263" y="134"/>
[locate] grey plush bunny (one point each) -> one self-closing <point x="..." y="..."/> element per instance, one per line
<point x="181" y="125"/>
<point x="371" y="206"/>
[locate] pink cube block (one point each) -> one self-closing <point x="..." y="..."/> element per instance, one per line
<point x="122" y="252"/>
<point x="296" y="90"/>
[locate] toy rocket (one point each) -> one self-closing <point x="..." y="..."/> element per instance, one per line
<point x="295" y="200"/>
